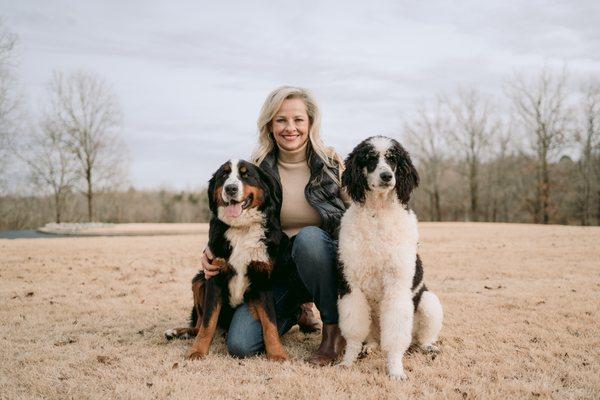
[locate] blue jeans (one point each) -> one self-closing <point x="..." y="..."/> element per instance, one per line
<point x="314" y="254"/>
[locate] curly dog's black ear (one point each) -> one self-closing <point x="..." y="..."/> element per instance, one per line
<point x="407" y="178"/>
<point x="353" y="177"/>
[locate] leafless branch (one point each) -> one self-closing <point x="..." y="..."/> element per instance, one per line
<point x="84" y="108"/>
<point x="472" y="127"/>
<point x="541" y="106"/>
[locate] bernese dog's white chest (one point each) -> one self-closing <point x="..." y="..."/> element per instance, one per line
<point x="376" y="246"/>
<point x="247" y="245"/>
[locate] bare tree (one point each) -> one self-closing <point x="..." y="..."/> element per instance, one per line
<point x="426" y="137"/>
<point x="51" y="163"/>
<point x="589" y="137"/>
<point x="88" y="113"/>
<point x="9" y="99"/>
<point x="541" y="106"/>
<point x="470" y="134"/>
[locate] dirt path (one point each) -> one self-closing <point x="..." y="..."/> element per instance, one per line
<point x="84" y="318"/>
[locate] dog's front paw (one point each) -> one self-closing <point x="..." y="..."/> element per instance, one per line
<point x="395" y="367"/>
<point x="195" y="354"/>
<point x="398" y="375"/>
<point x="219" y="262"/>
<point x="277" y="357"/>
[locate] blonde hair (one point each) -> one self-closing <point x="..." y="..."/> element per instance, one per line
<point x="266" y="142"/>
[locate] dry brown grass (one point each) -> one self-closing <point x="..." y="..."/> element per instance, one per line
<point x="84" y="318"/>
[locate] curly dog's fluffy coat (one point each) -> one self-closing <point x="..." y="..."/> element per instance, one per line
<point x="382" y="291"/>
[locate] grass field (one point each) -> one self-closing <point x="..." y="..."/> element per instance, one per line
<point x="84" y="318"/>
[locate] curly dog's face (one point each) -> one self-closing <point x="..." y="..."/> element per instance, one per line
<point x="379" y="165"/>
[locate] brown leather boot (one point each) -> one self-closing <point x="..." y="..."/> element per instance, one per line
<point x="308" y="321"/>
<point x="331" y="347"/>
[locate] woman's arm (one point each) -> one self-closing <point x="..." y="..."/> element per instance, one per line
<point x="209" y="269"/>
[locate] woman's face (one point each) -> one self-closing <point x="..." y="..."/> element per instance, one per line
<point x="290" y="126"/>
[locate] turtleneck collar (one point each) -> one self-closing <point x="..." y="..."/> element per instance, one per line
<point x="294" y="156"/>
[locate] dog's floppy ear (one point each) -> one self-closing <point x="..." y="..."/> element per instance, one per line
<point x="212" y="205"/>
<point x="270" y="184"/>
<point x="407" y="178"/>
<point x="272" y="208"/>
<point x="353" y="178"/>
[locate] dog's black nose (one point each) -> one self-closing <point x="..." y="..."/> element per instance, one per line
<point x="386" y="176"/>
<point x="231" y="190"/>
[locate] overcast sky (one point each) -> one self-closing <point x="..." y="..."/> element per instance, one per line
<point x="191" y="76"/>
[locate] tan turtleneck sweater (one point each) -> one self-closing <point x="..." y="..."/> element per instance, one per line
<point x="296" y="213"/>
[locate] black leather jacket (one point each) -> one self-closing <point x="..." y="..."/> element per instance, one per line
<point x="321" y="192"/>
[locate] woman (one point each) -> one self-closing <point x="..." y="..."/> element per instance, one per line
<point x="308" y="181"/>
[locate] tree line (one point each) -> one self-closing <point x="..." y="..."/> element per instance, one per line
<point x="123" y="206"/>
<point x="531" y="156"/>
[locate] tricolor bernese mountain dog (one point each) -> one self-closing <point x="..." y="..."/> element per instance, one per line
<point x="245" y="237"/>
<point x="382" y="292"/>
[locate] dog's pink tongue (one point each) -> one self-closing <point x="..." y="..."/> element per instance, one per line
<point x="234" y="210"/>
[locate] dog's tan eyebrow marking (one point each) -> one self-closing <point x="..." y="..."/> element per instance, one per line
<point x="227" y="168"/>
<point x="243" y="169"/>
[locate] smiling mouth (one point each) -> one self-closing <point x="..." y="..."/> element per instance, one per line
<point x="290" y="137"/>
<point x="244" y="204"/>
<point x="235" y="208"/>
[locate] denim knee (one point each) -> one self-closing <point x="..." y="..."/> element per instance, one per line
<point x="239" y="346"/>
<point x="244" y="338"/>
<point x="314" y="253"/>
<point x="312" y="250"/>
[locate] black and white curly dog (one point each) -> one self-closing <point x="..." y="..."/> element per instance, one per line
<point x="383" y="295"/>
<point x="246" y="239"/>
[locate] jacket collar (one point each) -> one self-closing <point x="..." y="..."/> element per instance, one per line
<point x="315" y="164"/>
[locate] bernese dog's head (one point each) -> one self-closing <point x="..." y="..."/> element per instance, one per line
<point x="378" y="165"/>
<point x="240" y="193"/>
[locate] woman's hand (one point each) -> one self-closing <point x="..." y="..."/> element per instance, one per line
<point x="210" y="265"/>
